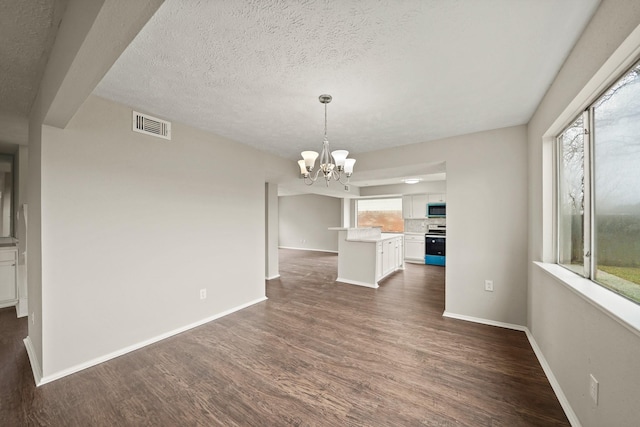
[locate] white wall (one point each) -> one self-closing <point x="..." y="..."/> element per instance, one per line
<point x="486" y="218"/>
<point x="305" y="219"/>
<point x="575" y="337"/>
<point x="92" y="35"/>
<point x="34" y="239"/>
<point x="134" y="226"/>
<point x="22" y="170"/>
<point x="271" y="231"/>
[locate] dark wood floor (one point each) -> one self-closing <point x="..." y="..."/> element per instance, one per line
<point x="316" y="353"/>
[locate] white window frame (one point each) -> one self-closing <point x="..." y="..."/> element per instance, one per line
<point x="589" y="250"/>
<point x="357" y="201"/>
<point x="617" y="307"/>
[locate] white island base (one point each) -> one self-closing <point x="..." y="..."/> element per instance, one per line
<point x="366" y="256"/>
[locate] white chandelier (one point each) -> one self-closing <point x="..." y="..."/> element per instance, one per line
<point x="332" y="164"/>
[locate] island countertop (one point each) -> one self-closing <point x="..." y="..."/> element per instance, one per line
<point x="383" y="237"/>
<point x="365" y="234"/>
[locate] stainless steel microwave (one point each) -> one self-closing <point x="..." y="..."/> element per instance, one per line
<point x="437" y="210"/>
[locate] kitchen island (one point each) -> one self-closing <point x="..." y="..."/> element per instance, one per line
<point x="8" y="261"/>
<point x="366" y="255"/>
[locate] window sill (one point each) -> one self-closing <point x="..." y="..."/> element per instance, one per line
<point x="620" y="309"/>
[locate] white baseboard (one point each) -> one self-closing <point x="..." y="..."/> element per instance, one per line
<point x="22" y="308"/>
<point x="307" y="249"/>
<point x="355" y="282"/>
<point x="272" y="277"/>
<point x="555" y="385"/>
<point x="33" y="360"/>
<point x="484" y="321"/>
<point x="57" y="375"/>
<point x="8" y="304"/>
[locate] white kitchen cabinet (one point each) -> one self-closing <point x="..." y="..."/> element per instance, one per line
<point x="407" y="207"/>
<point x="420" y="206"/>
<point x="388" y="257"/>
<point x="399" y="263"/>
<point x="8" y="291"/>
<point x="437" y="198"/>
<point x="414" y="247"/>
<point x="392" y="258"/>
<point x="366" y="256"/>
<point x="414" y="206"/>
<point x="379" y="259"/>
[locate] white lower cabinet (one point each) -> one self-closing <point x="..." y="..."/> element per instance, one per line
<point x="414" y="247"/>
<point x="379" y="259"/>
<point x="400" y="253"/>
<point x="388" y="257"/>
<point x="8" y="292"/>
<point x="391" y="258"/>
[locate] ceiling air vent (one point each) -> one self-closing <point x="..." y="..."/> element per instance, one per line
<point x="150" y="125"/>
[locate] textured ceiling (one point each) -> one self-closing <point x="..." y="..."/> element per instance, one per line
<point x="27" y="33"/>
<point x="400" y="72"/>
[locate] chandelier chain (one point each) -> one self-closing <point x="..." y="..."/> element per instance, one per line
<point x="325" y="121"/>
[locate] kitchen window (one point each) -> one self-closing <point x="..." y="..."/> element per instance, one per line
<point x="385" y="213"/>
<point x="598" y="190"/>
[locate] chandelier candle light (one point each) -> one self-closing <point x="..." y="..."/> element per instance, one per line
<point x="332" y="164"/>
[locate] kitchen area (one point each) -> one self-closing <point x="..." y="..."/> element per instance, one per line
<point x="370" y="252"/>
<point x="425" y="228"/>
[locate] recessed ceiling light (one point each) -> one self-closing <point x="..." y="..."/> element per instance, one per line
<point x="411" y="180"/>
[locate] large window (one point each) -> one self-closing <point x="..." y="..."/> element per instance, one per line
<point x="599" y="190"/>
<point x="385" y="213"/>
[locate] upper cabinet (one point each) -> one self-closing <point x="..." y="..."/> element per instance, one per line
<point x="414" y="206"/>
<point x="437" y="198"/>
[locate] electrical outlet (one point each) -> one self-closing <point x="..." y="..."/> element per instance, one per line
<point x="203" y="293"/>
<point x="593" y="388"/>
<point x="488" y="285"/>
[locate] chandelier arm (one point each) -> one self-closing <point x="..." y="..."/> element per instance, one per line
<point x="338" y="175"/>
<point x="311" y="177"/>
<point x="341" y="181"/>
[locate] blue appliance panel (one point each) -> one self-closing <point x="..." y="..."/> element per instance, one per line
<point x="434" y="260"/>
